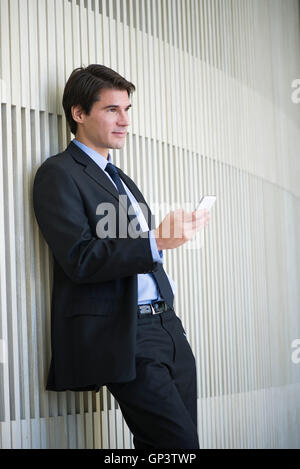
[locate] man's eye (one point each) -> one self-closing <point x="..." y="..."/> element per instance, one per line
<point x="114" y="110"/>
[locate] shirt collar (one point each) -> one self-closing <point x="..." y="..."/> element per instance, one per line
<point x="100" y="160"/>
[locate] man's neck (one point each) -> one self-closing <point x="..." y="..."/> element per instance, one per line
<point x="102" y="151"/>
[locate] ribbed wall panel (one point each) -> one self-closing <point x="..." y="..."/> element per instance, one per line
<point x="212" y="114"/>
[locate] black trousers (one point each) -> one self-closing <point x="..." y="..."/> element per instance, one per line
<point x="160" y="405"/>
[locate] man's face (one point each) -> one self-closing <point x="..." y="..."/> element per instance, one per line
<point x="106" y="125"/>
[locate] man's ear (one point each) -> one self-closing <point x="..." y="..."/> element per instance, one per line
<point x="77" y="113"/>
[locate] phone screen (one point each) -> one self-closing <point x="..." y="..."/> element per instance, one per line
<point x="206" y="202"/>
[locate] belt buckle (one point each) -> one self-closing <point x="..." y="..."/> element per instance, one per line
<point x="153" y="310"/>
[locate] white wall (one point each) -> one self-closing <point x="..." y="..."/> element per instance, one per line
<point x="213" y="113"/>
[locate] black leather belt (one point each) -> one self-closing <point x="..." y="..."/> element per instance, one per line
<point x="153" y="308"/>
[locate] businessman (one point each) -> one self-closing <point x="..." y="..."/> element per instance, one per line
<point x="112" y="316"/>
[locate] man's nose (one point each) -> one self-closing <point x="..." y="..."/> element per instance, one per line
<point x="123" y="118"/>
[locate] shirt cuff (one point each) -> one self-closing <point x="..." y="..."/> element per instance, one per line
<point x="156" y="254"/>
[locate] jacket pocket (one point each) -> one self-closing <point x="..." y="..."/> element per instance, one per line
<point x="91" y="307"/>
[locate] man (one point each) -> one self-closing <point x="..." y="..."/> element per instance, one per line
<point x="112" y="316"/>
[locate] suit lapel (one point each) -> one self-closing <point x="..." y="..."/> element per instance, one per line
<point x="97" y="174"/>
<point x="132" y="187"/>
<point x="139" y="198"/>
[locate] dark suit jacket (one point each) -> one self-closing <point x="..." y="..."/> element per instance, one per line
<point x="94" y="295"/>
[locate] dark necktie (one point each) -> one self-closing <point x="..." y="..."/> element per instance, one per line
<point x="113" y="172"/>
<point x="159" y="274"/>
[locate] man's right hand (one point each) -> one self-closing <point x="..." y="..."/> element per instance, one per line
<point x="179" y="226"/>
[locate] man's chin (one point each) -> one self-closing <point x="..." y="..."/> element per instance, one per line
<point x="118" y="145"/>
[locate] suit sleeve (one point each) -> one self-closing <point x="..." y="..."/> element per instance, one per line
<point x="60" y="213"/>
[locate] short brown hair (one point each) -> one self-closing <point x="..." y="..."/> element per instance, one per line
<point x="84" y="85"/>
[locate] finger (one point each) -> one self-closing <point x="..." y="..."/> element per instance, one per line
<point x="197" y="225"/>
<point x="202" y="219"/>
<point x="198" y="214"/>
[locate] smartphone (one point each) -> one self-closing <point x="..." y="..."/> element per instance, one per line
<point x="206" y="202"/>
